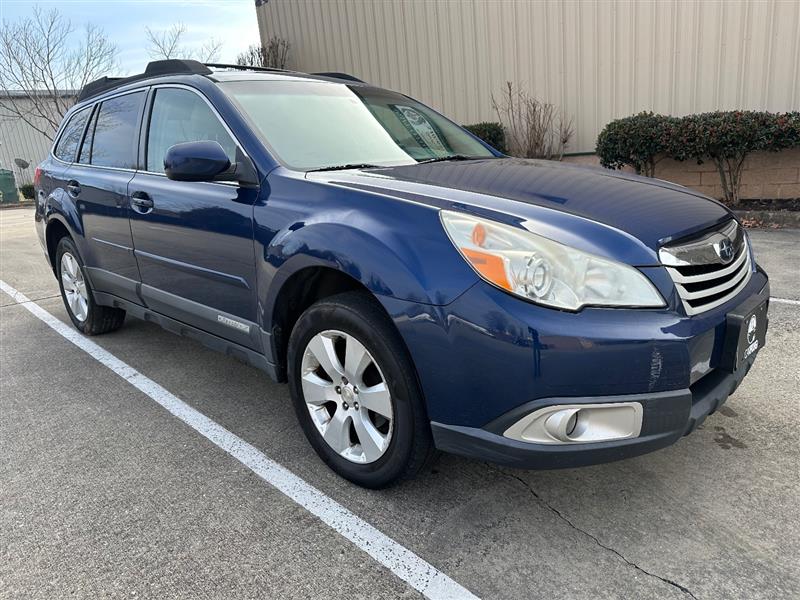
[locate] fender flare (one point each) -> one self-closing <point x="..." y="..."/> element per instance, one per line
<point x="378" y="255"/>
<point x="60" y="208"/>
<point x="378" y="267"/>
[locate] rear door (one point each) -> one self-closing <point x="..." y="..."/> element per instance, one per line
<point x="98" y="181"/>
<point x="51" y="184"/>
<point x="194" y="240"/>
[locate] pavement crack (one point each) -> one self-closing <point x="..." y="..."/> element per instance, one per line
<point x="567" y="520"/>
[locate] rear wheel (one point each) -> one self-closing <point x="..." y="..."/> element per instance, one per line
<point x="87" y="316"/>
<point x="355" y="393"/>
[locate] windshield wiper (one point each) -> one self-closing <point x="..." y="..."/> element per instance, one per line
<point x="371" y="166"/>
<point x="345" y="167"/>
<point x="451" y="157"/>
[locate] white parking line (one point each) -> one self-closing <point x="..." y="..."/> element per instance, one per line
<point x="401" y="561"/>
<point x="784" y="301"/>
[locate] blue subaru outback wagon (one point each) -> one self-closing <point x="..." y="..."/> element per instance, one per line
<point x="417" y="289"/>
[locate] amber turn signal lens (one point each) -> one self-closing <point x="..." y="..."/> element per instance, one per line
<point x="488" y="265"/>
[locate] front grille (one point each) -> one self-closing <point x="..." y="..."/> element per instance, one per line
<point x="703" y="278"/>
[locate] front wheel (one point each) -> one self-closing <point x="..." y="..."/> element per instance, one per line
<point x="355" y="393"/>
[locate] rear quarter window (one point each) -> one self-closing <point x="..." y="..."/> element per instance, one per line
<point x="84" y="155"/>
<point x="73" y="132"/>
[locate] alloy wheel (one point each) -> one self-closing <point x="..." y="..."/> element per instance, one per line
<point x="347" y="396"/>
<point x="74" y="287"/>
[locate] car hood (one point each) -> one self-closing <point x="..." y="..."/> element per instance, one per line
<point x="651" y="210"/>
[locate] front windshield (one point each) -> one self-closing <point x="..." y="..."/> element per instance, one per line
<point x="316" y="125"/>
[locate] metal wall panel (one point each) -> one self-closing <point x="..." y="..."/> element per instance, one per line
<point x="597" y="60"/>
<point x="20" y="140"/>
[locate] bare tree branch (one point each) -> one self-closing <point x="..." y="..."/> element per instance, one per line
<point x="165" y="44"/>
<point x="169" y="44"/>
<point x="254" y="56"/>
<point x="275" y="55"/>
<point x="209" y="51"/>
<point x="44" y="62"/>
<point x="534" y="129"/>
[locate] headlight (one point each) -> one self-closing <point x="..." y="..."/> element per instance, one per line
<point x="545" y="271"/>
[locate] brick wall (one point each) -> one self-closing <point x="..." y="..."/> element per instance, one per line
<point x="766" y="175"/>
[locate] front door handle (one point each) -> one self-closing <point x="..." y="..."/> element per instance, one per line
<point x="141" y="202"/>
<point x="73" y="188"/>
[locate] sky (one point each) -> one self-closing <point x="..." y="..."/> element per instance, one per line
<point x="124" y="21"/>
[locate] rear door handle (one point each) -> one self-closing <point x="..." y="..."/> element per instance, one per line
<point x="73" y="188"/>
<point x="141" y="202"/>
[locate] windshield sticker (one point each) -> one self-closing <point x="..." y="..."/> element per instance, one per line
<point x="422" y="130"/>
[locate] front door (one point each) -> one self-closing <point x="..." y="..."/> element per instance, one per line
<point x="194" y="240"/>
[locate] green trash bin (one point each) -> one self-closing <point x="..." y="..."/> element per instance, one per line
<point x="8" y="187"/>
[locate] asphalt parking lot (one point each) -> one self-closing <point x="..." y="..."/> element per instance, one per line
<point x="104" y="493"/>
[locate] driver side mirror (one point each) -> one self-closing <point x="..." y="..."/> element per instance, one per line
<point x="207" y="161"/>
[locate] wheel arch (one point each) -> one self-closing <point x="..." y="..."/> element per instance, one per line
<point x="345" y="247"/>
<point x="61" y="218"/>
<point x="304" y="287"/>
<point x="55" y="231"/>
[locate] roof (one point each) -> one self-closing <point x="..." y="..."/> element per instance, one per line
<point x="214" y="71"/>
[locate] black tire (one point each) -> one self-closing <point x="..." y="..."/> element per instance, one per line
<point x="99" y="319"/>
<point x="411" y="445"/>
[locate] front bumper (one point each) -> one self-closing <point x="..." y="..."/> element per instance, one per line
<point x="488" y="359"/>
<point x="667" y="417"/>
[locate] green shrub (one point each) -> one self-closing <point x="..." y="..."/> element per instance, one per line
<point x="491" y="133"/>
<point x="27" y="191"/>
<point x="786" y="131"/>
<point x="726" y="138"/>
<point x="639" y="141"/>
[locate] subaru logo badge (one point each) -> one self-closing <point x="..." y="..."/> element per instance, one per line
<point x="725" y="250"/>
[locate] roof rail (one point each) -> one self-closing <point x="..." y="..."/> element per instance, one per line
<point x="154" y="69"/>
<point x="331" y="75"/>
<point x="245" y="67"/>
<point x="336" y="75"/>
<point x="277" y="70"/>
<point x="174" y="66"/>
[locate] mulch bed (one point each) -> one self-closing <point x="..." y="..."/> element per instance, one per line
<point x="769" y="219"/>
<point x="771" y="205"/>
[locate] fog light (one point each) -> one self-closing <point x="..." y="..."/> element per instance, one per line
<point x="579" y="423"/>
<point x="571" y="423"/>
<point x="561" y="425"/>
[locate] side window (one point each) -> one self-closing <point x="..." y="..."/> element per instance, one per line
<point x="182" y="116"/>
<point x="69" y="140"/>
<point x="116" y="132"/>
<point x="86" y="146"/>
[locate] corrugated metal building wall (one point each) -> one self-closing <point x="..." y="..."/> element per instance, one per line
<point x="20" y="140"/>
<point x="597" y="60"/>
